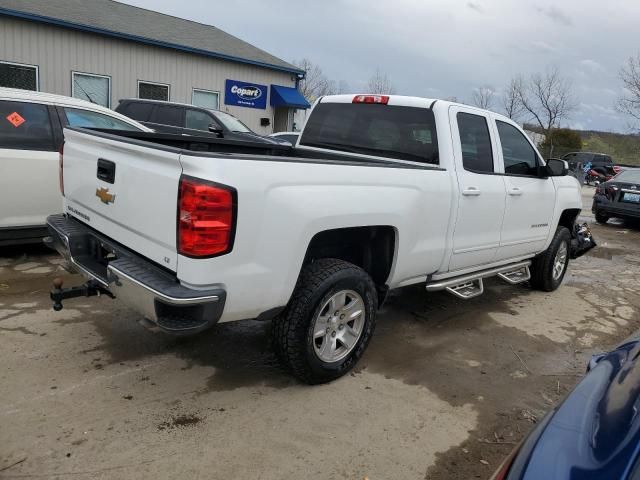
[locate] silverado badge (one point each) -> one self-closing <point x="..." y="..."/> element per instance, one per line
<point x="104" y="195"/>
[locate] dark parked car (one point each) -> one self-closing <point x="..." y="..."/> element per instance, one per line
<point x="187" y="119"/>
<point x="594" y="434"/>
<point x="600" y="162"/>
<point x="618" y="197"/>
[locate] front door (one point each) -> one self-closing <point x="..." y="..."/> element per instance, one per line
<point x="530" y="199"/>
<point x="481" y="190"/>
<point x="281" y="120"/>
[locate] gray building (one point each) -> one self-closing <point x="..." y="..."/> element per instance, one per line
<point x="103" y="51"/>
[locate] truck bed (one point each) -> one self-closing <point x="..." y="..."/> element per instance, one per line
<point x="206" y="145"/>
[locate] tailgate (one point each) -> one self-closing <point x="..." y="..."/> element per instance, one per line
<point x="127" y="190"/>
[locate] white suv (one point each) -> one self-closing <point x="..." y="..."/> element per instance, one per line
<point x="31" y="126"/>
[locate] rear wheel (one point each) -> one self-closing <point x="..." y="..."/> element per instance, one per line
<point x="328" y="323"/>
<point x="601" y="217"/>
<point x="548" y="268"/>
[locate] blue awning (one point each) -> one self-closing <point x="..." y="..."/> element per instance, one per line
<point x="287" y="97"/>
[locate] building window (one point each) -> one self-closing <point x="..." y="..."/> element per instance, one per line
<point x="16" y="75"/>
<point x="205" y="99"/>
<point x="153" y="91"/>
<point x="93" y="88"/>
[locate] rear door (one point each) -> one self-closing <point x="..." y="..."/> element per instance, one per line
<point x="530" y="200"/>
<point x="481" y="190"/>
<point x="125" y="189"/>
<point x="28" y="164"/>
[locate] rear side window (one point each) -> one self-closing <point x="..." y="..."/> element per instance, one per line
<point x="519" y="156"/>
<point x="87" y="119"/>
<point x="404" y="133"/>
<point x="168" y="115"/>
<point x="475" y="140"/>
<point x="25" y="126"/>
<point x="138" y="111"/>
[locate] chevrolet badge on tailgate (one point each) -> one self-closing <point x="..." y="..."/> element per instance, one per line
<point x="104" y="195"/>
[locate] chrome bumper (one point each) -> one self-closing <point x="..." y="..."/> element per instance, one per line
<point x="147" y="288"/>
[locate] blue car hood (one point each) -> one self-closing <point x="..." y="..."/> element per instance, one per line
<point x="595" y="432"/>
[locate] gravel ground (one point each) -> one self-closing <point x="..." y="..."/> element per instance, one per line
<point x="444" y="391"/>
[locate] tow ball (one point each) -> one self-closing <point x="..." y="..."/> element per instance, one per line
<point x="89" y="289"/>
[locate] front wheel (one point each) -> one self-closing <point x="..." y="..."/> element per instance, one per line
<point x="328" y="322"/>
<point x="548" y="268"/>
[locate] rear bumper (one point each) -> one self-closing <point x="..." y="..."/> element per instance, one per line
<point x="615" y="209"/>
<point x="142" y="285"/>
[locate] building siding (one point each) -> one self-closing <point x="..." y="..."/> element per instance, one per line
<point x="58" y="51"/>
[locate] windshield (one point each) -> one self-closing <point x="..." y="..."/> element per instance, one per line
<point x="391" y="131"/>
<point x="230" y="122"/>
<point x="629" y="176"/>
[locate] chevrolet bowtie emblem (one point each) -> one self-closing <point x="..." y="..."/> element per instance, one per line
<point x="104" y="195"/>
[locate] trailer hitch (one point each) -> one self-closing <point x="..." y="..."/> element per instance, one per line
<point x="89" y="289"/>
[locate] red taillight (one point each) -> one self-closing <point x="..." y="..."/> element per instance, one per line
<point x="383" y="99"/>
<point x="206" y="216"/>
<point x="61" y="169"/>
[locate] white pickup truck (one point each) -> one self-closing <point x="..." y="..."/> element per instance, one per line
<point x="379" y="192"/>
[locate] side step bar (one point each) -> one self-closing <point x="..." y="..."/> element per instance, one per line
<point x="470" y="285"/>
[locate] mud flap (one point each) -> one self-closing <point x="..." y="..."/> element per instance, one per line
<point x="581" y="240"/>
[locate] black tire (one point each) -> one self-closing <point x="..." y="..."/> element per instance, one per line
<point x="542" y="276"/>
<point x="292" y="331"/>
<point x="601" y="217"/>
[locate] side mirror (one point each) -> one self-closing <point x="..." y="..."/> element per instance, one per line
<point x="557" y="167"/>
<point x="214" y="128"/>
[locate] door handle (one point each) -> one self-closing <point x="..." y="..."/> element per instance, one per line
<point x="515" y="191"/>
<point x="471" y="191"/>
<point x="106" y="170"/>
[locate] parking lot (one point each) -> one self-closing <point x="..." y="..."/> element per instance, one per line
<point x="445" y="390"/>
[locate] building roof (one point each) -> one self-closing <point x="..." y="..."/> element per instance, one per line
<point x="115" y="19"/>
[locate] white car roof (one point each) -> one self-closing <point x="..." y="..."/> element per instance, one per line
<point x="61" y="100"/>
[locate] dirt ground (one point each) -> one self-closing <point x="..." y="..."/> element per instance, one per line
<point x="445" y="390"/>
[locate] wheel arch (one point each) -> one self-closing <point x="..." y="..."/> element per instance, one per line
<point x="568" y="218"/>
<point x="373" y="248"/>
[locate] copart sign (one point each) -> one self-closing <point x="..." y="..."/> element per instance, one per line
<point x="243" y="94"/>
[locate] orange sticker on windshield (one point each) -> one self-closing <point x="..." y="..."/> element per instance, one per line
<point x="15" y="119"/>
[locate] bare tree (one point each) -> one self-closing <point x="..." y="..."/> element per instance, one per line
<point x="483" y="97"/>
<point x="629" y="103"/>
<point x="547" y="99"/>
<point x="380" y="83"/>
<point x="343" y="87"/>
<point x="315" y="83"/>
<point x="511" y="103"/>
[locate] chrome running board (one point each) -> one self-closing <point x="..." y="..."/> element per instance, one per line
<point x="470" y="285"/>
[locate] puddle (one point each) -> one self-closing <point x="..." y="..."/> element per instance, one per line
<point x="606" y="253"/>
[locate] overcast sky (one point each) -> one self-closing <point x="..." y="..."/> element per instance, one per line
<point x="443" y="48"/>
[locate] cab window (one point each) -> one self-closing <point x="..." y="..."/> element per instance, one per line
<point x="475" y="141"/>
<point x="198" y="120"/>
<point x="520" y="158"/>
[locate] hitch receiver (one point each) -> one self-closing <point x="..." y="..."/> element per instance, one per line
<point x="89" y="289"/>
